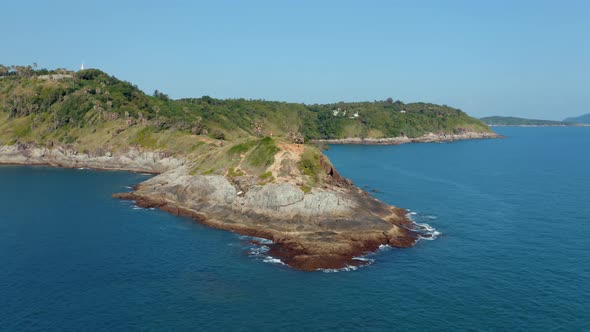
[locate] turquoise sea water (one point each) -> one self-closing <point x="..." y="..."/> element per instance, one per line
<point x="514" y="253"/>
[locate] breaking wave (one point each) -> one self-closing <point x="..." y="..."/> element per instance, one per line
<point x="365" y="259"/>
<point x="272" y="260"/>
<point x="344" y="269"/>
<point x="258" y="248"/>
<point x="423" y="229"/>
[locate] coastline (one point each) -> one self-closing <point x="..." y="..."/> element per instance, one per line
<point x="325" y="228"/>
<point x="428" y="138"/>
<point x="130" y="159"/>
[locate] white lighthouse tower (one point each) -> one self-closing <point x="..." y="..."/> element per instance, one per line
<point x="82" y="66"/>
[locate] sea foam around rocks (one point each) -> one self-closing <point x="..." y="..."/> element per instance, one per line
<point x="424" y="230"/>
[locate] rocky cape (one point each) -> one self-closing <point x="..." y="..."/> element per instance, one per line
<point x="427" y="138"/>
<point x="325" y="228"/>
<point x="234" y="164"/>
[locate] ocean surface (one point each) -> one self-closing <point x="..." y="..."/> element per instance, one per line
<point x="513" y="254"/>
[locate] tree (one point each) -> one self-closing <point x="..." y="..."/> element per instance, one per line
<point x="389" y="100"/>
<point x="161" y="95"/>
<point x="207" y="99"/>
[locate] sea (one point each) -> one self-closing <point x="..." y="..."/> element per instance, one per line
<point x="512" y="251"/>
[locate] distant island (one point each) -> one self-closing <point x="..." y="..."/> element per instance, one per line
<point x="514" y="121"/>
<point x="235" y="164"/>
<point x="580" y="119"/>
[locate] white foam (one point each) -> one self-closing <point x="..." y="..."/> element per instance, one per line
<point x="258" y="250"/>
<point x="272" y="260"/>
<point x="364" y="259"/>
<point x="424" y="230"/>
<point x="348" y="268"/>
<point x="344" y="269"/>
<point x="427" y="232"/>
<point x="261" y="240"/>
<point x="425" y="227"/>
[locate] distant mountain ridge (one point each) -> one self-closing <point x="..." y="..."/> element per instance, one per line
<point x="580" y="119"/>
<point x="514" y="121"/>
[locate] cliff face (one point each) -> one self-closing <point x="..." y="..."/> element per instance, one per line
<point x="323" y="228"/>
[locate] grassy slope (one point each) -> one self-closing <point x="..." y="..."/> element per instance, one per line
<point x="92" y="96"/>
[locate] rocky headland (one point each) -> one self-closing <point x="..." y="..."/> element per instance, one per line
<point x="324" y="228"/>
<point x="234" y="164"/>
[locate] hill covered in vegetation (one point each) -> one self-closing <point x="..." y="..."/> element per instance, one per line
<point x="58" y="101"/>
<point x="580" y="119"/>
<point x="92" y="111"/>
<point x="233" y="164"/>
<point x="514" y="121"/>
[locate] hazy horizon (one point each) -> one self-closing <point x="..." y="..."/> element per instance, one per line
<point x="524" y="60"/>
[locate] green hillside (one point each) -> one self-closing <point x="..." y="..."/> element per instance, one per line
<point x="62" y="105"/>
<point x="514" y="121"/>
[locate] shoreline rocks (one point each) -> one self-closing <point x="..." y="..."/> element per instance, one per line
<point x="321" y="229"/>
<point x="131" y="159"/>
<point x="428" y="138"/>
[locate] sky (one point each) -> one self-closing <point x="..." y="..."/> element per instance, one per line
<point x="518" y="58"/>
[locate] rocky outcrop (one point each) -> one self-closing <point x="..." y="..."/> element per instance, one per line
<point x="320" y="229"/>
<point x="428" y="138"/>
<point x="323" y="228"/>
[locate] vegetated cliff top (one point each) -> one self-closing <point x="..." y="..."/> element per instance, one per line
<point x="515" y="121"/>
<point x="89" y="97"/>
<point x="91" y="111"/>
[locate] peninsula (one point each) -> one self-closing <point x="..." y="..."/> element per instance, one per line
<point x="239" y="165"/>
<point x="522" y="122"/>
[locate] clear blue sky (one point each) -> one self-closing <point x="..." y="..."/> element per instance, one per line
<point x="522" y="58"/>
